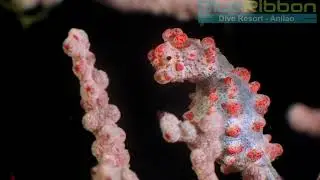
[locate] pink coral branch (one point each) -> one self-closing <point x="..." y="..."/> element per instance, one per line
<point x="180" y="9"/>
<point x="101" y="117"/>
<point x="305" y="119"/>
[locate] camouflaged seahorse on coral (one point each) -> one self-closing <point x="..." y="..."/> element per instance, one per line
<point x="225" y="122"/>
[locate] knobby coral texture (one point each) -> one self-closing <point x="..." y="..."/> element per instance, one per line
<point x="180" y="9"/>
<point x="304" y="119"/>
<point x="225" y="120"/>
<point x="101" y="117"/>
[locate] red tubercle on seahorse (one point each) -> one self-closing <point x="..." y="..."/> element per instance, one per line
<point x="233" y="131"/>
<point x="254" y="86"/>
<point x="254" y="154"/>
<point x="262" y="103"/>
<point x="232" y="108"/>
<point x="243" y="73"/>
<point x="234" y="149"/>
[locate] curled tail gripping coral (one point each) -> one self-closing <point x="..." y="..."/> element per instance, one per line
<point x="225" y="120"/>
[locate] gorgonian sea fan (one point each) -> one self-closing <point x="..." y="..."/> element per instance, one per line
<point x="101" y="117"/>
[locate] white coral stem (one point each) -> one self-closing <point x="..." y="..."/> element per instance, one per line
<point x="100" y="117"/>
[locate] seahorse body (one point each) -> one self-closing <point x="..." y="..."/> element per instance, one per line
<point x="225" y="122"/>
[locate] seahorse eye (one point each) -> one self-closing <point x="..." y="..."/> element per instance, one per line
<point x="169" y="58"/>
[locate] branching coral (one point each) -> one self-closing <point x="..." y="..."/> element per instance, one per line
<point x="180" y="9"/>
<point x="305" y="119"/>
<point x="225" y="120"/>
<point x="101" y="117"/>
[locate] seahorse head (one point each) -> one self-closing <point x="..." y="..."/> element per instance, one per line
<point x="182" y="58"/>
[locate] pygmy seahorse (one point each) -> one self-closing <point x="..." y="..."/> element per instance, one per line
<point x="225" y="120"/>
